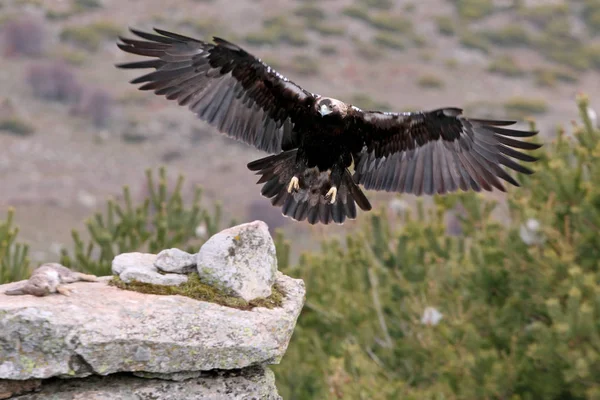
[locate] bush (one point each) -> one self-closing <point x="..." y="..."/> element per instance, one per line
<point x="390" y="22"/>
<point x="475" y="41"/>
<point x="509" y="35"/>
<point x="160" y="221"/>
<point x="430" y="81"/>
<point x="278" y="30"/>
<point x="16" y="126"/>
<point x="446" y="25"/>
<point x="518" y="299"/>
<point x="549" y="77"/>
<point x="474" y="9"/>
<point x="389" y="40"/>
<point x="54" y="81"/>
<point x="90" y="37"/>
<point x="14" y="259"/>
<point x="591" y="15"/>
<point x="24" y="37"/>
<point x="523" y="106"/>
<point x="505" y="65"/>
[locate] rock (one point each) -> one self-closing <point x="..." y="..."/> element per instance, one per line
<point x="140" y="267"/>
<point x="249" y="383"/>
<point x="128" y="260"/>
<point x="102" y="330"/>
<point x="240" y="261"/>
<point x="146" y="275"/>
<point x="175" y="261"/>
<point x="9" y="388"/>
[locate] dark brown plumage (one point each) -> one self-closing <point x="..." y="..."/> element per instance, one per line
<point x="316" y="139"/>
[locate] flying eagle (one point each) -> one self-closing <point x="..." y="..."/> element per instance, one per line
<point x="315" y="139"/>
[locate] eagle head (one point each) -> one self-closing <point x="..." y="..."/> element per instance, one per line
<point x="328" y="106"/>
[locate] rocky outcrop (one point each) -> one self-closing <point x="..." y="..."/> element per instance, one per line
<point x="240" y="261"/>
<point x="249" y="383"/>
<point x="145" y="344"/>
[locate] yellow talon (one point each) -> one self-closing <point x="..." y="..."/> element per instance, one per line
<point x="332" y="193"/>
<point x="294" y="185"/>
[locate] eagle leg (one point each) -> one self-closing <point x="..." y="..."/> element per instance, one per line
<point x="331" y="194"/>
<point x="336" y="180"/>
<point x="294" y="185"/>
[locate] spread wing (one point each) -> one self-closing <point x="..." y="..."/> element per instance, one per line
<point x="437" y="151"/>
<point x="223" y="84"/>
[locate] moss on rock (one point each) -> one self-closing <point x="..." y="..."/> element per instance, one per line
<point x="196" y="289"/>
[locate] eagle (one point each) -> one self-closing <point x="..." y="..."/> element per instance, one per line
<point x="314" y="141"/>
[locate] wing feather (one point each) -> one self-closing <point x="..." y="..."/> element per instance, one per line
<point x="222" y="84"/>
<point x="437" y="151"/>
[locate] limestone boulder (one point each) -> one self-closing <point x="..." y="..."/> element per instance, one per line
<point x="240" y="260"/>
<point x="100" y="329"/>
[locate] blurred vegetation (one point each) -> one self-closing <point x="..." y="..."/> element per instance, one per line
<point x="14" y="256"/>
<point x="430" y="81"/>
<point x="474" y="9"/>
<point x="446" y="25"/>
<point x="90" y="37"/>
<point x="519" y="309"/>
<point x="508" y="35"/>
<point x="520" y="107"/>
<point x="277" y="30"/>
<point x="160" y="221"/>
<point x="16" y="126"/>
<point x="506" y="65"/>
<point x="550" y="77"/>
<point x="391" y="41"/>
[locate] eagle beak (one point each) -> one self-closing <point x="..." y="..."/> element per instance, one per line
<point x="324" y="110"/>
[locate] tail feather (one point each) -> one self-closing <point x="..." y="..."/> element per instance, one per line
<point x="309" y="202"/>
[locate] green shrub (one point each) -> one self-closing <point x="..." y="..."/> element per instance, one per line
<point x="278" y="30"/>
<point x="509" y="35"/>
<point x="474" y="41"/>
<point x="550" y="77"/>
<point x="505" y="65"/>
<point x="16" y="126"/>
<point x="366" y="102"/>
<point x="525" y="106"/>
<point x="389" y="40"/>
<point x="83" y="5"/>
<point x="591" y="15"/>
<point x="445" y="25"/>
<point x="328" y="29"/>
<point x="545" y="14"/>
<point x="360" y="13"/>
<point x="430" y="81"/>
<point x="160" y="221"/>
<point x="390" y="22"/>
<point x="474" y="9"/>
<point x="379" y="4"/>
<point x="310" y="13"/>
<point x="14" y="258"/>
<point x="90" y="37"/>
<point x="520" y="310"/>
<point x="304" y="65"/>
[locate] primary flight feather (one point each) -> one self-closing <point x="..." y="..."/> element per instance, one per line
<point x="315" y="139"/>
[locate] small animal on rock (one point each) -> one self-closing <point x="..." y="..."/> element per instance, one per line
<point x="47" y="278"/>
<point x="314" y="139"/>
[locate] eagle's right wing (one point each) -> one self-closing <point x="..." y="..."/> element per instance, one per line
<point x="224" y="85"/>
<point x="436" y="151"/>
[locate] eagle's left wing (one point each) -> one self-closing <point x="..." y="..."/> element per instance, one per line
<point x="436" y="151"/>
<point x="223" y="84"/>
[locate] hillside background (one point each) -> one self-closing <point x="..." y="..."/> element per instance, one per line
<point x="73" y="131"/>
